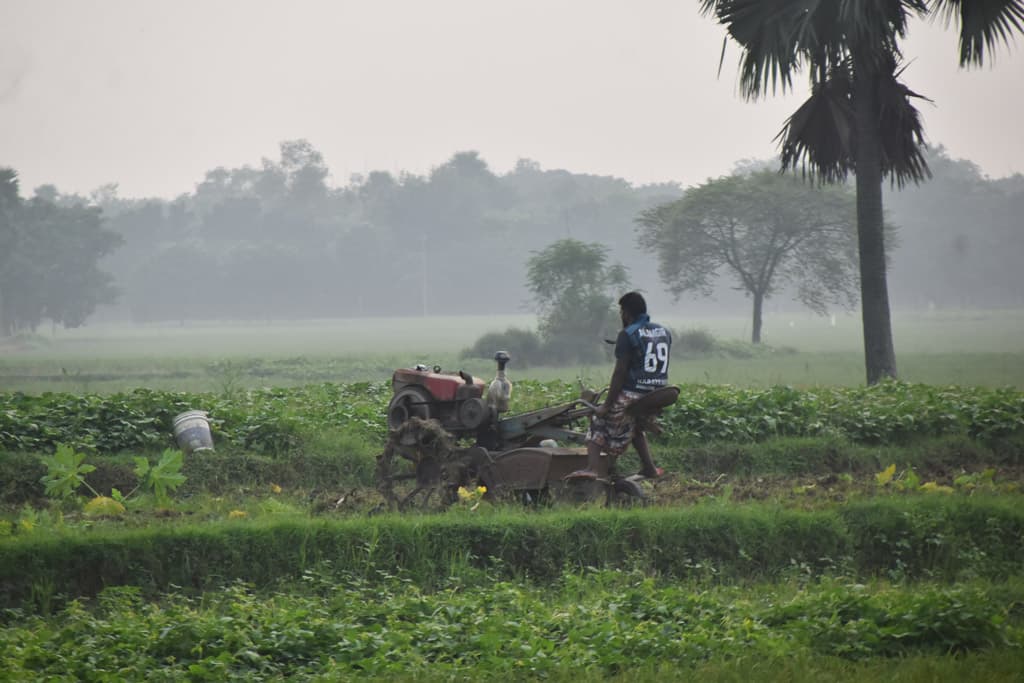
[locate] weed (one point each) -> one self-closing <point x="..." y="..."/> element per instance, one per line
<point x="65" y="473"/>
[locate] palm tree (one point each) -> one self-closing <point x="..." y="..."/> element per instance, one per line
<point x="859" y="117"/>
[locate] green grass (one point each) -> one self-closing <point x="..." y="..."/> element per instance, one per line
<point x="511" y="593"/>
<point x="984" y="348"/>
<point x="196" y="374"/>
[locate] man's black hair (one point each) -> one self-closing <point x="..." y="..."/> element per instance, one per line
<point x="634" y="304"/>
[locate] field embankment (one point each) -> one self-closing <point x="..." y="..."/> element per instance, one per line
<point x="938" y="537"/>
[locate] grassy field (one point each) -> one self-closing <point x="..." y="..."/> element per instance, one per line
<point x="981" y="348"/>
<point x="909" y="584"/>
<point x="880" y="540"/>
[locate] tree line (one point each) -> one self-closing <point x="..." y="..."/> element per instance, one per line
<point x="49" y="255"/>
<point x="278" y="241"/>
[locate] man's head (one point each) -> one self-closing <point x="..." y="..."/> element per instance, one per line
<point x="631" y="307"/>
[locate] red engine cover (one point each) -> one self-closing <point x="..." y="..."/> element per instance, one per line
<point x="442" y="387"/>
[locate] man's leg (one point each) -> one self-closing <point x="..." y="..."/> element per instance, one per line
<point x="593" y="456"/>
<point x="647" y="467"/>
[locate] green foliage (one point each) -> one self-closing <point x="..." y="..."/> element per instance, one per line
<point x="694" y="341"/>
<point x="49" y="263"/>
<point x="525" y="347"/>
<point x="575" y="290"/>
<point x="983" y="481"/>
<point x="760" y="229"/>
<point x="891" y="412"/>
<point x="162" y="477"/>
<point x="20" y="477"/>
<point x="913" y="537"/>
<point x="593" y="624"/>
<point x="271" y="421"/>
<point x="65" y="473"/>
<point x="279" y="422"/>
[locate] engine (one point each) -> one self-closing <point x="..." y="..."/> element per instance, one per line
<point x="454" y="400"/>
<point x="459" y="402"/>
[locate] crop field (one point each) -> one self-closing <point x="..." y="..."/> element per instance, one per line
<point x="809" y="528"/>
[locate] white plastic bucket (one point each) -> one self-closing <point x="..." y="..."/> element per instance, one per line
<point x="192" y="431"/>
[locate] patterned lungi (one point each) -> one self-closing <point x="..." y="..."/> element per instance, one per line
<point x="614" y="432"/>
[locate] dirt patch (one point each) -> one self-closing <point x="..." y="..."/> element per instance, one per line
<point x="815" y="491"/>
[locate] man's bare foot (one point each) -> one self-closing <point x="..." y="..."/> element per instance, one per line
<point x="658" y="472"/>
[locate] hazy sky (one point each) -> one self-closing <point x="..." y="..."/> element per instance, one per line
<point x="152" y="94"/>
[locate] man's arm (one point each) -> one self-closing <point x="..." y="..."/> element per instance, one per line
<point x="619" y="375"/>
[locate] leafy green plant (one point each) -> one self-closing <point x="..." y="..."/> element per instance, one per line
<point x="65" y="473"/>
<point x="978" y="481"/>
<point x="907" y="480"/>
<point x="885" y="476"/>
<point x="276" y="421"/>
<point x="162" y="477"/>
<point x="330" y="625"/>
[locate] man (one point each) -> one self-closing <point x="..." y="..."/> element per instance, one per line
<point x="641" y="366"/>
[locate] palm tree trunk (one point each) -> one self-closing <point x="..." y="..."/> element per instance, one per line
<point x="755" y="334"/>
<point x="879" y="355"/>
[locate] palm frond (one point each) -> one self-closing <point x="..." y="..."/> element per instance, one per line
<point x="983" y="24"/>
<point x="874" y="28"/>
<point x="819" y="137"/>
<point x="902" y="133"/>
<point x="775" y="36"/>
<point x="875" y="19"/>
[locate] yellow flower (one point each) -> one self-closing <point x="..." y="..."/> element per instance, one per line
<point x="238" y="514"/>
<point x="274" y="488"/>
<point x="481" y="490"/>
<point x="464" y="494"/>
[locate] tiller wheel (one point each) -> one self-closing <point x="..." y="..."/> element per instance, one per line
<point x="418" y="467"/>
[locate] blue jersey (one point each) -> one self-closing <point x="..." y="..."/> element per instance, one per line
<point x="647" y="345"/>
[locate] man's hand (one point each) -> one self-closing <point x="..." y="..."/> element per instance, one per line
<point x="602" y="410"/>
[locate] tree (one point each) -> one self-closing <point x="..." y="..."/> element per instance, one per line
<point x="182" y="280"/>
<point x="10" y="208"/>
<point x="765" y="229"/>
<point x="49" y="263"/>
<point x="574" y="288"/>
<point x="859" y="117"/>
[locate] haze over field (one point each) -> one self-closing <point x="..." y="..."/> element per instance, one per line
<point x="271" y="160"/>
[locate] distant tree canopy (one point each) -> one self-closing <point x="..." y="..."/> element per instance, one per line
<point x="766" y="231"/>
<point x="49" y="255"/>
<point x="575" y="289"/>
<point x="279" y="240"/>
